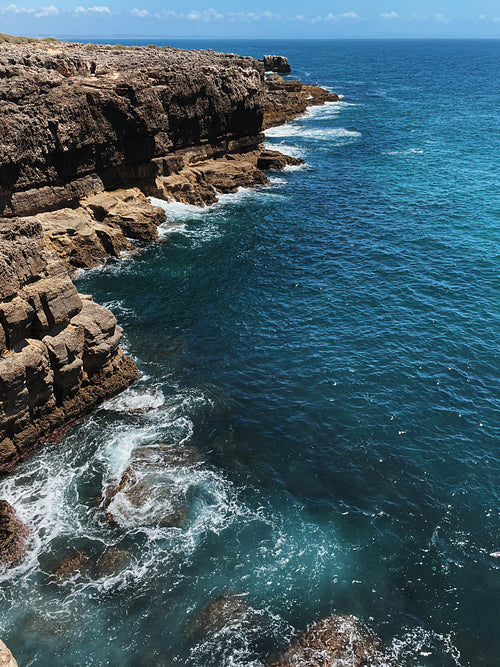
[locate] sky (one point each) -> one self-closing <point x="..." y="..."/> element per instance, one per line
<point x="260" y="19"/>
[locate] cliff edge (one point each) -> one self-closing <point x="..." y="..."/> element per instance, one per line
<point x="87" y="133"/>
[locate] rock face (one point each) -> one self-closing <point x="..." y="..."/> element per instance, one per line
<point x="284" y="100"/>
<point x="86" y="133"/>
<point x="13" y="533"/>
<point x="336" y="640"/>
<point x="277" y="64"/>
<point x="6" y="657"/>
<point x="59" y="352"/>
<point x="75" y="120"/>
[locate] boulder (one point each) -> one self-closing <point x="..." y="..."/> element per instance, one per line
<point x="6" y="657"/>
<point x="13" y="534"/>
<point x="149" y="492"/>
<point x="336" y="640"/>
<point x="74" y="564"/>
<point x="277" y="64"/>
<point x="112" y="561"/>
<point x="226" y="609"/>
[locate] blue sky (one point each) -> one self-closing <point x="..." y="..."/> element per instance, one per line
<point x="260" y="19"/>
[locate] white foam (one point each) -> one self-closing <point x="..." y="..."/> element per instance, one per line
<point x="287" y="149"/>
<point x="295" y="167"/>
<point x="408" y="151"/>
<point x="135" y="400"/>
<point x="295" y="130"/>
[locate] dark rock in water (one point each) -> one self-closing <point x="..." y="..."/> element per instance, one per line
<point x="6" y="657"/>
<point x="225" y="609"/>
<point x="276" y="161"/>
<point x="112" y="561"/>
<point x="75" y="563"/>
<point x="147" y="493"/>
<point x="285" y="100"/>
<point x="336" y="640"/>
<point x="277" y="64"/>
<point x="13" y="534"/>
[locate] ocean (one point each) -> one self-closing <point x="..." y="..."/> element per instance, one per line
<point x="330" y="344"/>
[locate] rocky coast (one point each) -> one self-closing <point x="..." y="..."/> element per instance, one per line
<point x="87" y="134"/>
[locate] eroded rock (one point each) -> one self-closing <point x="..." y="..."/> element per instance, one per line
<point x="13" y="534"/>
<point x="277" y="64"/>
<point x="75" y="563"/>
<point x="59" y="354"/>
<point x="336" y="640"/>
<point x="153" y="489"/>
<point x="6" y="657"/>
<point x="226" y="609"/>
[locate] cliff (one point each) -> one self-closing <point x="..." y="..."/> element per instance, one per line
<point x="86" y="134"/>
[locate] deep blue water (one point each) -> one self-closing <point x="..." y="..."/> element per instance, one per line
<point x="330" y="343"/>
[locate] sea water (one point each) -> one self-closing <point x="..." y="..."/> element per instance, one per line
<point x="329" y="343"/>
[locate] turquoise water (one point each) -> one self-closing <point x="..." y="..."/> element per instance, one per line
<point x="330" y="343"/>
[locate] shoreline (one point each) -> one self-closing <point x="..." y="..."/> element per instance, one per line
<point x="109" y="128"/>
<point x="190" y="176"/>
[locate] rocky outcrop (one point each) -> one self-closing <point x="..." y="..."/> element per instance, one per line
<point x="86" y="133"/>
<point x="202" y="183"/>
<point x="74" y="564"/>
<point x="277" y="64"/>
<point x="6" y="657"/>
<point x="59" y="351"/>
<point x="284" y="100"/>
<point x="101" y="226"/>
<point x="13" y="534"/>
<point x="336" y="640"/>
<point x="149" y="491"/>
<point x="226" y="609"/>
<point x="77" y="119"/>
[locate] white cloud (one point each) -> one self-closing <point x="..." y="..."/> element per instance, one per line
<point x="441" y="18"/>
<point x="14" y="9"/>
<point x="482" y="17"/>
<point x="348" y="15"/>
<point x="331" y="17"/>
<point x="51" y="10"/>
<point x="140" y="13"/>
<point x="389" y="16"/>
<point x="93" y="10"/>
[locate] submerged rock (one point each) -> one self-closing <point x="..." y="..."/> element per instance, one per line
<point x="75" y="563"/>
<point x="153" y="488"/>
<point x="112" y="561"/>
<point x="336" y="640"/>
<point x="13" y="534"/>
<point x="226" y="609"/>
<point x="6" y="657"/>
<point x="277" y="64"/>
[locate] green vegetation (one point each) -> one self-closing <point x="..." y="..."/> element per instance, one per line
<point x="18" y="39"/>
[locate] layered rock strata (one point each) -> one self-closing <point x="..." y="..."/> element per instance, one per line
<point x="86" y="134"/>
<point x="59" y="351"/>
<point x="284" y="99"/>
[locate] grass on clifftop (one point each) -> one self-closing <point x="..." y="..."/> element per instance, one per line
<point x="14" y="39"/>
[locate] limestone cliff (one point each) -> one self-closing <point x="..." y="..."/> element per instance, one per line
<point x="59" y="351"/>
<point x="86" y="133"/>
